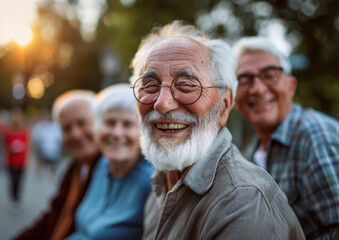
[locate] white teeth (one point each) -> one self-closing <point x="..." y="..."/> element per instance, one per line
<point x="171" y="126"/>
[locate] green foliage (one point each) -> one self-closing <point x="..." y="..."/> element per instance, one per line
<point x="122" y="28"/>
<point x="312" y="29"/>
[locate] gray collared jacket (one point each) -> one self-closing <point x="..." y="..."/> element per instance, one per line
<point x="222" y="196"/>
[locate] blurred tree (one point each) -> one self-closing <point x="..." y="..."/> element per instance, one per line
<point x="124" y="23"/>
<point x="64" y="56"/>
<point x="55" y="57"/>
<point x="311" y="27"/>
<point x="63" y="52"/>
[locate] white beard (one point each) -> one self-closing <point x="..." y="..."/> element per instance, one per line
<point x="168" y="154"/>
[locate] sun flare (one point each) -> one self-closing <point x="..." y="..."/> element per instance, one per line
<point x="23" y="37"/>
<point x="15" y="21"/>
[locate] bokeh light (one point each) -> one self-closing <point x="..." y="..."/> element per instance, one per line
<point x="65" y="55"/>
<point x="18" y="91"/>
<point x="35" y="88"/>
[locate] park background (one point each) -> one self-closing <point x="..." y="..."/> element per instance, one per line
<point x="51" y="46"/>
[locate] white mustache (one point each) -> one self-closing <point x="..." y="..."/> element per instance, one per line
<point x="154" y="115"/>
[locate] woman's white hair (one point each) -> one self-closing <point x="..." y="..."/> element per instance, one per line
<point x="246" y="44"/>
<point x="119" y="96"/>
<point x="69" y="97"/>
<point x="222" y="62"/>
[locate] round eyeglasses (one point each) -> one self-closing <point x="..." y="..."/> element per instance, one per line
<point x="268" y="75"/>
<point x="184" y="89"/>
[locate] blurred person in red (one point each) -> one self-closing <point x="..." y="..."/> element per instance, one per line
<point x="73" y="110"/>
<point x="1" y="142"/>
<point x="16" y="143"/>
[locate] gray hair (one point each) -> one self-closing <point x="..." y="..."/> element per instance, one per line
<point x="223" y="64"/>
<point x="63" y="100"/>
<point x="118" y="96"/>
<point x="262" y="44"/>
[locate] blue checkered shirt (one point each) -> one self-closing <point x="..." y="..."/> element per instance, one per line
<point x="303" y="158"/>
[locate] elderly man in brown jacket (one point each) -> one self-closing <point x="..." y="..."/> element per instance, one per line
<point x="74" y="112"/>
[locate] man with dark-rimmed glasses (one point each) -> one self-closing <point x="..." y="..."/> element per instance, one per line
<point x="298" y="147"/>
<point x="203" y="188"/>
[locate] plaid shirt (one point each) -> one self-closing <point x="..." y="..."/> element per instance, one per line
<point x="303" y="158"/>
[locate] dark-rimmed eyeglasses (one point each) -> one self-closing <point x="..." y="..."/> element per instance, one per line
<point x="269" y="76"/>
<point x="184" y="89"/>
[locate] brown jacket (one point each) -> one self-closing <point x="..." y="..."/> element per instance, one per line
<point x="45" y="226"/>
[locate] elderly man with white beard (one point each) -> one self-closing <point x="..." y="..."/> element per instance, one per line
<point x="203" y="188"/>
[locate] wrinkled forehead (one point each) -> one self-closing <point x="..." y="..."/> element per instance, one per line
<point x="76" y="108"/>
<point x="255" y="60"/>
<point x="185" y="42"/>
<point x="178" y="49"/>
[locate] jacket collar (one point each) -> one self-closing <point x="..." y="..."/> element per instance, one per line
<point x="200" y="176"/>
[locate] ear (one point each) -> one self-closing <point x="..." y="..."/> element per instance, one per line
<point x="227" y="103"/>
<point x="96" y="138"/>
<point x="292" y="84"/>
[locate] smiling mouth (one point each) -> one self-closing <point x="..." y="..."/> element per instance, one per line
<point x="258" y="104"/>
<point x="171" y="127"/>
<point x="114" y="143"/>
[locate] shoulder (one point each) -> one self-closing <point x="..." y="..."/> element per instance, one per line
<point x="316" y="137"/>
<point x="243" y="192"/>
<point x="314" y="124"/>
<point x="235" y="172"/>
<point x="240" y="187"/>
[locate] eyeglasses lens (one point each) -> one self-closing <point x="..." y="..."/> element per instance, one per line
<point x="146" y="90"/>
<point x="270" y="76"/>
<point x="185" y="89"/>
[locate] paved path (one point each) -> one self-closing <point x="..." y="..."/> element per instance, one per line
<point x="37" y="190"/>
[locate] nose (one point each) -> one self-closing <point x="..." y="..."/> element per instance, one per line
<point x="76" y="132"/>
<point x="117" y="130"/>
<point x="258" y="86"/>
<point x="165" y="102"/>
